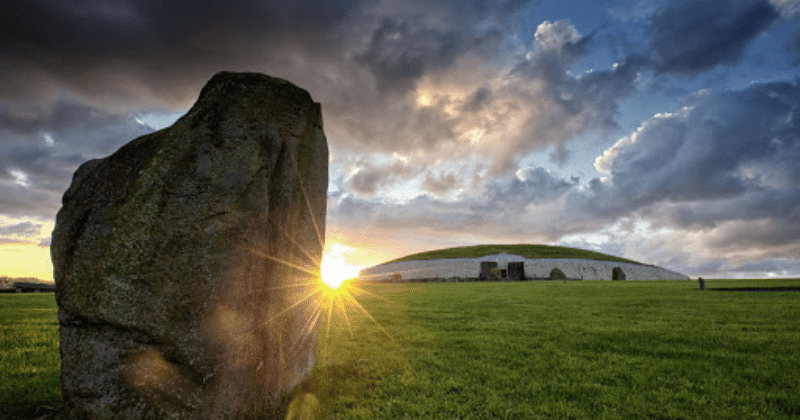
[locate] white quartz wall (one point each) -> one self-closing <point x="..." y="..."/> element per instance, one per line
<point x="539" y="268"/>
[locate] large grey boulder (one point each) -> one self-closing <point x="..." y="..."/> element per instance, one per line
<point x="186" y="262"/>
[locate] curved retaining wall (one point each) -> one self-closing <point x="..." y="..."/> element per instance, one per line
<point x="534" y="268"/>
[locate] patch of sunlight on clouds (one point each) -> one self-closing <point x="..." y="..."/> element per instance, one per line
<point x="474" y="135"/>
<point x="401" y="193"/>
<point x="594" y="239"/>
<point x="20" y="178"/>
<point x="424" y="98"/>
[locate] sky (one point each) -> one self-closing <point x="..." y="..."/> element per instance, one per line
<point x="667" y="132"/>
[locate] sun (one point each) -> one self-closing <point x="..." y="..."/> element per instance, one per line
<point x="334" y="271"/>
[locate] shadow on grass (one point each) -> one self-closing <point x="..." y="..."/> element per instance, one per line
<point x="27" y="409"/>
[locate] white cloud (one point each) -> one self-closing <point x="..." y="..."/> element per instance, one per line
<point x="20" y="178"/>
<point x="555" y="36"/>
<point x="788" y="8"/>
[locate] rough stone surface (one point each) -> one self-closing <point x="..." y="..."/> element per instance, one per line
<point x="466" y="268"/>
<point x="184" y="262"/>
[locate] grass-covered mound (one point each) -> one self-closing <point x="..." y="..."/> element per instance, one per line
<point x="527" y="251"/>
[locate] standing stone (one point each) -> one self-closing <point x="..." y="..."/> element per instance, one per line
<point x="186" y="263"/>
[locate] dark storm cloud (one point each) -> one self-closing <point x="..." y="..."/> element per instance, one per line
<point x="40" y="150"/>
<point x="22" y="202"/>
<point x="693" y="36"/>
<point x="415" y="38"/>
<point x="98" y="29"/>
<point x="93" y="46"/>
<point x="399" y="53"/>
<point x="51" y="141"/>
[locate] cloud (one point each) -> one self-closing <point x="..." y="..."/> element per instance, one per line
<point x="692" y="36"/>
<point x="777" y="267"/>
<point x="399" y="53"/>
<point x="432" y="106"/>
<point x="441" y="184"/>
<point x="367" y="62"/>
<point x="516" y="207"/>
<point x="22" y="233"/>
<point x="721" y="171"/>
<point x="717" y="176"/>
<point x="21" y="230"/>
<point x="721" y="145"/>
<point x="530" y="186"/>
<point x="787" y="8"/>
<point x="41" y="148"/>
<point x="559" y="106"/>
<point x="419" y="38"/>
<point x="367" y="179"/>
<point x="122" y="50"/>
<point x="460" y="105"/>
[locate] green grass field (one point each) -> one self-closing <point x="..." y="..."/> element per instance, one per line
<point x="29" y="360"/>
<point x="527" y="251"/>
<point x="582" y="350"/>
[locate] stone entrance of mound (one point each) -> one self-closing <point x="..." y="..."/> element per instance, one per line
<point x="516" y="270"/>
<point x="502" y="270"/>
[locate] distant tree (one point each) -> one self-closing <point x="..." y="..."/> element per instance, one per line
<point x="8" y="282"/>
<point x="557" y="274"/>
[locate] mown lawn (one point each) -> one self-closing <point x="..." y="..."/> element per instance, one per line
<point x="583" y="350"/>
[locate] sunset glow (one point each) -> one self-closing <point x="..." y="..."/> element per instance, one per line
<point x="537" y="122"/>
<point x="334" y="270"/>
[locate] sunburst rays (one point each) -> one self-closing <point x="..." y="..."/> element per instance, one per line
<point x="308" y="285"/>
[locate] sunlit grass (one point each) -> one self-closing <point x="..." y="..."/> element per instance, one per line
<point x="564" y="350"/>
